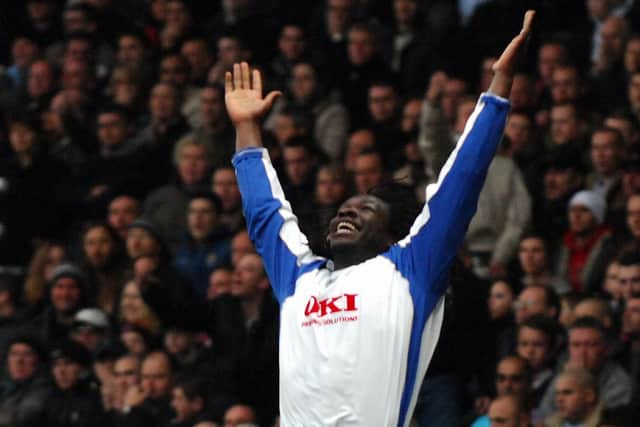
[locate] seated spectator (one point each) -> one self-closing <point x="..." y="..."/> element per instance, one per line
<point x="241" y="245"/>
<point x="568" y="127"/>
<point x="189" y="401"/>
<point x="113" y="169"/>
<point x="198" y="53"/>
<point x="12" y="315"/>
<point x="629" y="274"/>
<point x="75" y="400"/>
<point x="239" y="415"/>
<point x="133" y="310"/>
<point x="369" y="171"/>
<point x="67" y="294"/>
<point x="508" y="410"/>
<point x="225" y="186"/>
<point x="586" y="246"/>
<point x="633" y="222"/>
<point x="45" y="259"/>
<point x="143" y="240"/>
<point x="25" y="392"/>
<point x="91" y="328"/>
<point x="206" y="245"/>
<point x="502" y="324"/>
<point x="136" y="340"/>
<point x="607" y="149"/>
<point x="536" y="343"/>
<point x="358" y="141"/>
<point x="219" y="283"/>
<point x="513" y="378"/>
<point x="577" y="400"/>
<point x="126" y="376"/>
<point x="596" y="308"/>
<point x="104" y="261"/>
<point x="215" y="130"/>
<point x="300" y="162"/>
<point x="534" y="262"/>
<point x="330" y="119"/>
<point x="588" y="348"/>
<point x="536" y="300"/>
<point x="174" y="69"/>
<point x="167" y="206"/>
<point x="166" y="125"/>
<point x="562" y="177"/>
<point x="122" y="211"/>
<point x="148" y="405"/>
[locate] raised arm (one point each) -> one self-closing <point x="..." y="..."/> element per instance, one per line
<point x="504" y="67"/>
<point x="272" y="226"/>
<point x="439" y="230"/>
<point x="245" y="104"/>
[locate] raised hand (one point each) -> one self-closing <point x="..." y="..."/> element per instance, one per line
<point x="243" y="95"/>
<point x="504" y="67"/>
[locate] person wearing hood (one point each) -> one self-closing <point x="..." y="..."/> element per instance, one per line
<point x="76" y="401"/>
<point x="587" y="245"/>
<point x="67" y="294"/>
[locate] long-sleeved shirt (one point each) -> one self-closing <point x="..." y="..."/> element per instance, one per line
<point x="355" y="343"/>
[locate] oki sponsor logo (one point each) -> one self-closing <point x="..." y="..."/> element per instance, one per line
<point x="339" y="304"/>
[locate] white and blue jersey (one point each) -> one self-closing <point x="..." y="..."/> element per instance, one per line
<point x="355" y="343"/>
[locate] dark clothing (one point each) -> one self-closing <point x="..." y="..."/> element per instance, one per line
<point x="196" y="260"/>
<point x="151" y="413"/>
<point x="80" y="406"/>
<point x="23" y="404"/>
<point x="247" y="352"/>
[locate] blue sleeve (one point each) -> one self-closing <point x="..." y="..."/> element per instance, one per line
<point x="425" y="255"/>
<point x="272" y="226"/>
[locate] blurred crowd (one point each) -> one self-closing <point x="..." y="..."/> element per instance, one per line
<point x="130" y="291"/>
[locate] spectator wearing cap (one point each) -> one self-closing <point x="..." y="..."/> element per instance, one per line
<point x="91" y="328"/>
<point x="67" y="295"/>
<point x="587" y="246"/>
<point x="25" y="390"/>
<point x="206" y="245"/>
<point x="606" y="154"/>
<point x="166" y="206"/>
<point x="76" y="401"/>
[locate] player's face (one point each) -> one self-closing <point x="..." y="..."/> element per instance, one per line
<point x="362" y="221"/>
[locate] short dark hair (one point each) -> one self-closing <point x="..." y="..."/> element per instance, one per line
<point x="192" y="387"/>
<point x="541" y="323"/>
<point x="629" y="258"/>
<point x="588" y="322"/>
<point x="403" y="207"/>
<point x="211" y="197"/>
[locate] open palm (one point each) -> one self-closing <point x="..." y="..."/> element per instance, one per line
<point x="243" y="94"/>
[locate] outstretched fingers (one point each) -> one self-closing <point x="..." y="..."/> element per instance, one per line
<point x="228" y="82"/>
<point x="246" y="75"/>
<point x="237" y="77"/>
<point x="257" y="82"/>
<point x="506" y="62"/>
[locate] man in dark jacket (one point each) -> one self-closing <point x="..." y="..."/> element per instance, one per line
<point x="23" y="392"/>
<point x="76" y="401"/>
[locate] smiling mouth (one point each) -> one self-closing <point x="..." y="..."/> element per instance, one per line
<point x="346" y="228"/>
